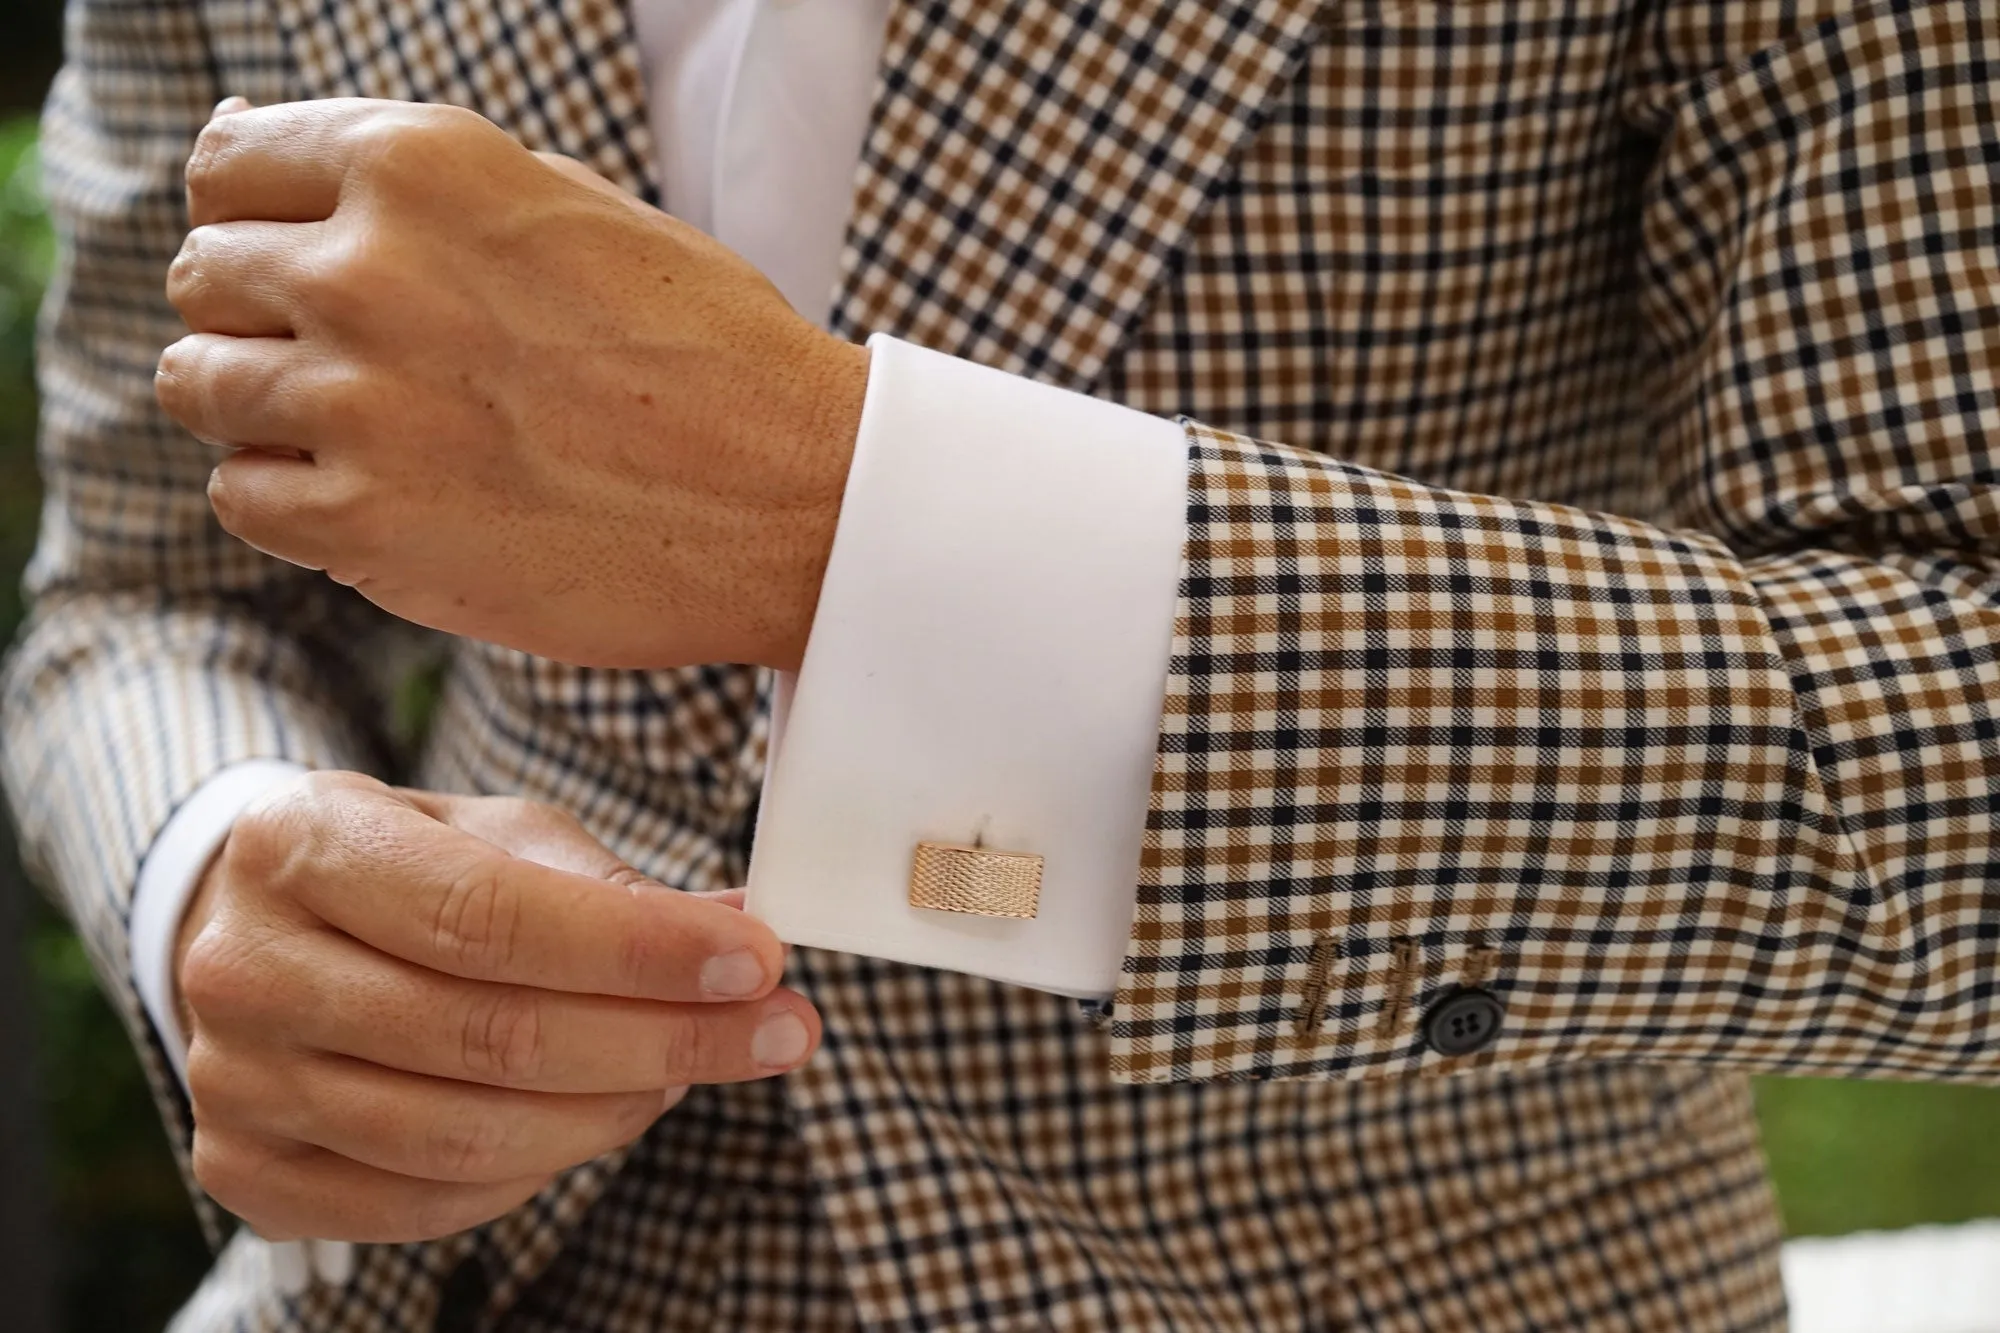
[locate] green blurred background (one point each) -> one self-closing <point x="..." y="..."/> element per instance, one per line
<point x="122" y="1240"/>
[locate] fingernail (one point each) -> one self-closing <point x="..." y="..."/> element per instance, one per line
<point x="780" y="1041"/>
<point x="672" y="1098"/>
<point x="732" y="976"/>
<point x="229" y="106"/>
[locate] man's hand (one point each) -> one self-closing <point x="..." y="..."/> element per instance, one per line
<point x="407" y="1011"/>
<point x="500" y="397"/>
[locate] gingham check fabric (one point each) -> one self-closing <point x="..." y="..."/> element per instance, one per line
<point x="1614" y="629"/>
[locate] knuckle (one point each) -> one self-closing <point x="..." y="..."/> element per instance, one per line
<point x="211" y="1082"/>
<point x="504" y="1037"/>
<point x="233" y="1176"/>
<point x="476" y="920"/>
<point x="210" y="1162"/>
<point x="220" y="982"/>
<point x="261" y="851"/>
<point x="205" y="160"/>
<point x="644" y="955"/>
<point x="628" y="877"/>
<point x="342" y="279"/>
<point x="372" y="141"/>
<point x="190" y="383"/>
<point x="345" y="401"/>
<point x="285" y="842"/>
<point x="688" y="1052"/>
<point x="187" y="274"/>
<point x="176" y="381"/>
<point x="408" y="144"/>
<point x="345" y="503"/>
<point x="227" y="504"/>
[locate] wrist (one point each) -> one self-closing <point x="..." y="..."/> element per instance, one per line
<point x="831" y="389"/>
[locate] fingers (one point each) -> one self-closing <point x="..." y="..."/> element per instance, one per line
<point x="428" y="1128"/>
<point x="395" y="878"/>
<point x="242" y="392"/>
<point x="285" y="1192"/>
<point x="239" y="278"/>
<point x="260" y="397"/>
<point x="295" y="162"/>
<point x="343" y="1093"/>
<point x="262" y="496"/>
<point x="353" y="1001"/>
<point x="280" y="163"/>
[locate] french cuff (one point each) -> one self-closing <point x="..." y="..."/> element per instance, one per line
<point x="167" y="879"/>
<point x="959" y="771"/>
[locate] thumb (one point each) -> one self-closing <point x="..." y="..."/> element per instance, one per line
<point x="532" y="831"/>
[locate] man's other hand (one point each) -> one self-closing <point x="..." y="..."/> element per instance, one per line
<point x="499" y="396"/>
<point x="407" y="1011"/>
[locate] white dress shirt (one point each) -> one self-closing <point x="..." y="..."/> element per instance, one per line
<point x="990" y="649"/>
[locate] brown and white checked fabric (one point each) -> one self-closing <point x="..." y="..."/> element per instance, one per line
<point x="1704" y="787"/>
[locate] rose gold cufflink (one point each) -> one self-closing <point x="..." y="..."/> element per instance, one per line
<point x="948" y="877"/>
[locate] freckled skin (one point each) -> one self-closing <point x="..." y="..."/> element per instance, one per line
<point x="531" y="443"/>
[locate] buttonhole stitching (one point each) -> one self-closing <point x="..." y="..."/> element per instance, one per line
<point x="1319" y="973"/>
<point x="1402" y="974"/>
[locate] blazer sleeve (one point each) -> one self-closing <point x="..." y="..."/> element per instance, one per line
<point x="1717" y="789"/>
<point x="158" y="650"/>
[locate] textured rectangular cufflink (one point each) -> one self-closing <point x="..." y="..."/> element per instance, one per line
<point x="947" y="877"/>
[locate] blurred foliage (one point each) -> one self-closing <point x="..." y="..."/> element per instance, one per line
<point x="26" y="254"/>
<point x="1862" y="1156"/>
<point x="1846" y="1156"/>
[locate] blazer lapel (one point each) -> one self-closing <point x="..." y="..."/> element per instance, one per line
<point x="562" y="75"/>
<point x="1033" y="166"/>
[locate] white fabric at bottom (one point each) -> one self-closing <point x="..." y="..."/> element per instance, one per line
<point x="1924" y="1280"/>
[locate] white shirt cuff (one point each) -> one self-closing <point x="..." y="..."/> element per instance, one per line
<point x="986" y="667"/>
<point x="167" y="879"/>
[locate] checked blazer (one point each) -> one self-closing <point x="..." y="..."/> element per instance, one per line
<point x="1609" y="621"/>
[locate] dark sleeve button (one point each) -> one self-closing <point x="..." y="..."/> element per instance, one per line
<point x="1463" y="1021"/>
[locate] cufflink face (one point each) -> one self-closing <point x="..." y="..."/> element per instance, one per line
<point x="947" y="877"/>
